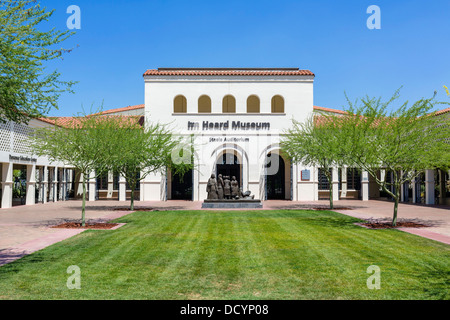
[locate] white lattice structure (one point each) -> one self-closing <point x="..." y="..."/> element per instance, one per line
<point x="16" y="153"/>
<point x="5" y="136"/>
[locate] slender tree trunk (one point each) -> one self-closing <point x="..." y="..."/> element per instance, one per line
<point x="132" y="199"/>
<point x="330" y="184"/>
<point x="394" y="219"/>
<point x="396" y="200"/>
<point x="83" y="205"/>
<point x="133" y="187"/>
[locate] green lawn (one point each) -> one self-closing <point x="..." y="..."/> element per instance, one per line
<point x="285" y="254"/>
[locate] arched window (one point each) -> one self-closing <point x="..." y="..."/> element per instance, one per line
<point x="179" y="104"/>
<point x="253" y="104"/>
<point x="277" y="104"/>
<point x="229" y="104"/>
<point x="204" y="104"/>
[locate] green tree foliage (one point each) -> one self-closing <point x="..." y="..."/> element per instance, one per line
<point x="77" y="143"/>
<point x="315" y="142"/>
<point x="135" y="151"/>
<point x="27" y="90"/>
<point x="96" y="144"/>
<point x="405" y="141"/>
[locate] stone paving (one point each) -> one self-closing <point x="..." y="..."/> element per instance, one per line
<point x="25" y="229"/>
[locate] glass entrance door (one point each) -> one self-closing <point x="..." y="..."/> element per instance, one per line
<point x="182" y="186"/>
<point x="275" y="183"/>
<point x="229" y="166"/>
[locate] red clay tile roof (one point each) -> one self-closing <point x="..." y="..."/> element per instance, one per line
<point x="442" y="111"/>
<point x="78" y="121"/>
<point x="138" y="106"/>
<point x="46" y="120"/>
<point x="329" y="110"/>
<point x="228" y="72"/>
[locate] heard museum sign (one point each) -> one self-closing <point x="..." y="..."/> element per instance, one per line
<point x="235" y="125"/>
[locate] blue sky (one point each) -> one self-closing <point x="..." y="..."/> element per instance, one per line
<point x="119" y="40"/>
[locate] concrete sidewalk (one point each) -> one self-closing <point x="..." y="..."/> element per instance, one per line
<point x="25" y="229"/>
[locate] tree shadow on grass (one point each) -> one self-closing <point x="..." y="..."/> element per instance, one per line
<point x="12" y="261"/>
<point x="8" y="255"/>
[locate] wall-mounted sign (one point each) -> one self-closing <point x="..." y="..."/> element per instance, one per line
<point x="305" y="175"/>
<point x="229" y="139"/>
<point x="21" y="158"/>
<point x="235" y="125"/>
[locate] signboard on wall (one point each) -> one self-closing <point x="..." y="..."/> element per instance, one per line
<point x="22" y="158"/>
<point x="305" y="175"/>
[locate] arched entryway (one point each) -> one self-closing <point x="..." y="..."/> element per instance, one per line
<point x="277" y="177"/>
<point x="228" y="165"/>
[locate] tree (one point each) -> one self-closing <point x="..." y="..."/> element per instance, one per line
<point x="26" y="89"/>
<point x="404" y="142"/>
<point x="315" y="142"/>
<point x="78" y="143"/>
<point x="135" y="151"/>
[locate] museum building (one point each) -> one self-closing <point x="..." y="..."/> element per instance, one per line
<point x="235" y="119"/>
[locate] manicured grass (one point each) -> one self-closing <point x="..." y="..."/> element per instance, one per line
<point x="234" y="255"/>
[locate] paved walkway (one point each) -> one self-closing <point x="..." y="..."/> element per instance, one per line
<point x="25" y="229"/>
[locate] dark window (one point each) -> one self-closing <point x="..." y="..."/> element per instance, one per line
<point x="323" y="181"/>
<point x="102" y="181"/>
<point x="353" y="179"/>
<point x="115" y="181"/>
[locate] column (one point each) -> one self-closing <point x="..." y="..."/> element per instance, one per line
<point x="294" y="173"/>
<point x="414" y="195"/>
<point x="122" y="188"/>
<point x="65" y="184"/>
<point x="7" y="184"/>
<point x="44" y="184"/>
<point x="31" y="185"/>
<point x="344" y="182"/>
<point x="195" y="185"/>
<point x="142" y="187"/>
<point x="335" y="181"/>
<point x="50" y="185"/>
<point x="163" y="186"/>
<point x="365" y="186"/>
<point x="55" y="184"/>
<point x="39" y="184"/>
<point x="429" y="186"/>
<point x="110" y="185"/>
<point x="91" y="186"/>
<point x="61" y="184"/>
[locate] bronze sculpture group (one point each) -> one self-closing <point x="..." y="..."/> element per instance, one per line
<point x="224" y="188"/>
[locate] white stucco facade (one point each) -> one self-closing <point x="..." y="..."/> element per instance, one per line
<point x="234" y="118"/>
<point x="251" y="137"/>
